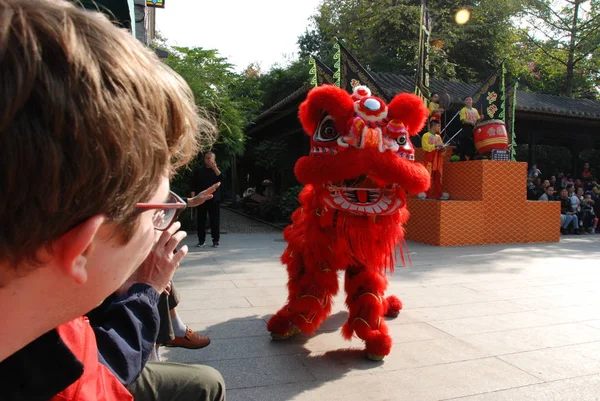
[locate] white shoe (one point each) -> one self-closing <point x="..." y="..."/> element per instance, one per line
<point x="445" y="196"/>
<point x="422" y="195"/>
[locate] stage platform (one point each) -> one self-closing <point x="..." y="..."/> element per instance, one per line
<point x="488" y="205"/>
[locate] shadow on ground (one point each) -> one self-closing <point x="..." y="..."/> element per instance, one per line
<point x="257" y="368"/>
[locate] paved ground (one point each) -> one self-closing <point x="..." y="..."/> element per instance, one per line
<point x="519" y="322"/>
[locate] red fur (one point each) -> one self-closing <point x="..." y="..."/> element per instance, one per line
<point x="410" y="109"/>
<point x="328" y="98"/>
<point x="392" y="306"/>
<point x="323" y="240"/>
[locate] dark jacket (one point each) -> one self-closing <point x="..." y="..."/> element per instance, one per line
<point x="113" y="350"/>
<point x="203" y="178"/>
<point x="565" y="205"/>
<point x="126" y="329"/>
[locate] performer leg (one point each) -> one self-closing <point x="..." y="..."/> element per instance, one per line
<point x="367" y="307"/>
<point x="392" y="306"/>
<point x="310" y="289"/>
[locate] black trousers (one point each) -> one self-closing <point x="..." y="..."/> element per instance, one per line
<point x="210" y="208"/>
<point x="465" y="146"/>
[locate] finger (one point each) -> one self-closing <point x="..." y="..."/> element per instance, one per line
<point x="178" y="257"/>
<point x="167" y="234"/>
<point x="174" y="241"/>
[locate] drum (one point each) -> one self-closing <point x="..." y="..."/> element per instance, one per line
<point x="489" y="135"/>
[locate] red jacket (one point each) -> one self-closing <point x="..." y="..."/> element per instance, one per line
<point x="97" y="383"/>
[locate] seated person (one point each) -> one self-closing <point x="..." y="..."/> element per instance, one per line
<point x="548" y="195"/>
<point x="534" y="171"/>
<point x="568" y="217"/>
<point x="588" y="216"/>
<point x="95" y="145"/>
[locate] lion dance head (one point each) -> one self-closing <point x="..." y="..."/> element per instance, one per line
<point x="361" y="159"/>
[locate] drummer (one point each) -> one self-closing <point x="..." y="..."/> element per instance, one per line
<point x="469" y="116"/>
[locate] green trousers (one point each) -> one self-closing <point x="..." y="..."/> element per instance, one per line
<point x="177" y="382"/>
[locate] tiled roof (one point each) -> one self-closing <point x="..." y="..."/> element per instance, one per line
<point x="526" y="101"/>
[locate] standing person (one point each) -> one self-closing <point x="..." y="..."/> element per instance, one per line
<point x="586" y="173"/>
<point x="435" y="110"/>
<point x="469" y="116"/>
<point x="205" y="177"/>
<point x="433" y="146"/>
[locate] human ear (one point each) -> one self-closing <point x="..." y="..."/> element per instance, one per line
<point x="72" y="249"/>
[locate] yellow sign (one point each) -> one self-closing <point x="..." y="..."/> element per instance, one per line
<point x="155" y="3"/>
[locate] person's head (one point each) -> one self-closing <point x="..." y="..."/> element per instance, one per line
<point x="553" y="178"/>
<point x="586" y="166"/>
<point x="469" y="101"/>
<point x="434" y="126"/>
<point x="579" y="191"/>
<point x="594" y="180"/>
<point x="550" y="190"/>
<point x="534" y="166"/>
<point x="209" y="157"/>
<point x="91" y="124"/>
<point x="587" y="197"/>
<point x="570" y="188"/>
<point x="435" y="97"/>
<point x="546" y="184"/>
<point x="578" y="182"/>
<point x="563" y="193"/>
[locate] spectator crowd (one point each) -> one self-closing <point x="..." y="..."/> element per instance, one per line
<point x="578" y="197"/>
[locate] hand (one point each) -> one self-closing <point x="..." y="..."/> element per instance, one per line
<point x="160" y="265"/>
<point x="203" y="196"/>
<point x="211" y="164"/>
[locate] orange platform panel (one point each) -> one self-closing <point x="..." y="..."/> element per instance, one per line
<point x="488" y="205"/>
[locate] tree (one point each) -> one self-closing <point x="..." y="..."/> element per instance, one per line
<point x="214" y="84"/>
<point x="383" y="34"/>
<point x="567" y="32"/>
<point x="230" y="99"/>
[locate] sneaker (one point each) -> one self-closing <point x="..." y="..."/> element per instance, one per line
<point x="215" y="244"/>
<point x="591" y="230"/>
<point x="201" y="244"/>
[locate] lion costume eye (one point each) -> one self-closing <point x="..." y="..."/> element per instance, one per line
<point x="401" y="140"/>
<point x="326" y="131"/>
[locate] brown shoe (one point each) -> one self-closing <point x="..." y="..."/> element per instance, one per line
<point x="191" y="340"/>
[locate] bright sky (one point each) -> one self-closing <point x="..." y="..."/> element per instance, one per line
<point x="243" y="31"/>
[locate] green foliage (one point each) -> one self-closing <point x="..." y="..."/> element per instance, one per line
<point x="280" y="208"/>
<point x="562" y="39"/>
<point x="269" y="154"/>
<point x="230" y="99"/>
<point x="280" y="81"/>
<point x="211" y="79"/>
<point x="289" y="201"/>
<point x="384" y="35"/>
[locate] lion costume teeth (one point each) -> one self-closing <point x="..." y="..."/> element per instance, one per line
<point x="352" y="208"/>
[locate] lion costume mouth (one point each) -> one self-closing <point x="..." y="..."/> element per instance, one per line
<point x="362" y="195"/>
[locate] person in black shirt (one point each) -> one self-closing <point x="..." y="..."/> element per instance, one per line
<point x="205" y="177"/>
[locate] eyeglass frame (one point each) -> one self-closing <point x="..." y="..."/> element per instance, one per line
<point x="179" y="206"/>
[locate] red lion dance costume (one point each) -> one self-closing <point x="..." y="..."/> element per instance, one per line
<point x="352" y="208"/>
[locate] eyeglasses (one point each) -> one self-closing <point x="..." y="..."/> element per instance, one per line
<point x="166" y="213"/>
